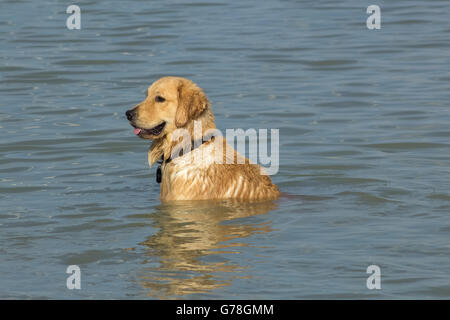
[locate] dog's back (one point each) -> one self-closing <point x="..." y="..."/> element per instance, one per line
<point x="200" y="175"/>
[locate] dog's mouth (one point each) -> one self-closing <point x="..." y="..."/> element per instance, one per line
<point x="155" y="131"/>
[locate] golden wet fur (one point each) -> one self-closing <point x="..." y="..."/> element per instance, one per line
<point x="185" y="177"/>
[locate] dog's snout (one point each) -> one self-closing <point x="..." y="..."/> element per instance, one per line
<point x="130" y="114"/>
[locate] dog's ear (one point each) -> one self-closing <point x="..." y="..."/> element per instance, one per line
<point x="191" y="103"/>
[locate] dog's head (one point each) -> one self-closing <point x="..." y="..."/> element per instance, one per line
<point x="171" y="103"/>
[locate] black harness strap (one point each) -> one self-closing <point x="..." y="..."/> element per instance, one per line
<point x="159" y="171"/>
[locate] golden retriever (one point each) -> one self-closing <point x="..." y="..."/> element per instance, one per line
<point x="210" y="170"/>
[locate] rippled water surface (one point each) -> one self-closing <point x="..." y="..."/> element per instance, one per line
<point x="364" y="149"/>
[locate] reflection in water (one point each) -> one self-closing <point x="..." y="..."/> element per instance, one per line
<point x="191" y="242"/>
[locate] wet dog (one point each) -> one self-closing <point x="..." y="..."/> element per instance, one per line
<point x="206" y="170"/>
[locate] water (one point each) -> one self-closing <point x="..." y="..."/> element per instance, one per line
<point x="364" y="128"/>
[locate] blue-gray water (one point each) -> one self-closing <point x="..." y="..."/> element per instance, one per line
<point x="364" y="149"/>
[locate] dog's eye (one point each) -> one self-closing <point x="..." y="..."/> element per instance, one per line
<point x="159" y="99"/>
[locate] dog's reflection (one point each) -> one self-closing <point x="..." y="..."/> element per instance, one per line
<point x="190" y="250"/>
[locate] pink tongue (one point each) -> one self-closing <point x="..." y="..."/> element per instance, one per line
<point x="137" y="131"/>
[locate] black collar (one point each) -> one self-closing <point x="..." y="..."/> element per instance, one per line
<point x="165" y="162"/>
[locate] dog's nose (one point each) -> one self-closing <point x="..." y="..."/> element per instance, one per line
<point x="130" y="114"/>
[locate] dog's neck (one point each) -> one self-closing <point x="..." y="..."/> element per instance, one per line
<point x="163" y="147"/>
